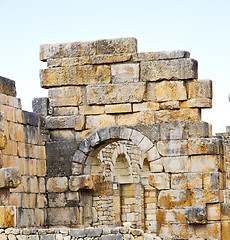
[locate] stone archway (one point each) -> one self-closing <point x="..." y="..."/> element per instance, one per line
<point x="122" y="155"/>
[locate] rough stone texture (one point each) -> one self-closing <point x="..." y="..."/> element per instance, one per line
<point x="10" y="177"/>
<point x="7" y="87"/>
<point x="109" y="58"/>
<point x="7" y="216"/>
<point x="115" y="93"/>
<point x="196" y="215"/>
<point x="57" y="184"/>
<point x="40" y="106"/>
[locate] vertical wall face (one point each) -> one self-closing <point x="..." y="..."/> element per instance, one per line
<point x="23" y="164"/>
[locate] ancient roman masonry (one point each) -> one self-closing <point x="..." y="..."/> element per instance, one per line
<point x="117" y="150"/>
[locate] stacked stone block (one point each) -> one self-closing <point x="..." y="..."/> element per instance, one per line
<point x="22" y="160"/>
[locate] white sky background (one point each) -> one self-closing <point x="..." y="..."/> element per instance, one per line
<point x="201" y="27"/>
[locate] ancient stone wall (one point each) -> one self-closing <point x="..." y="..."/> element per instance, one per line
<point x="22" y="161"/>
<point x="125" y="145"/>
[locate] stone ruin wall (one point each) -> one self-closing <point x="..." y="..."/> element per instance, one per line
<point x="125" y="145"/>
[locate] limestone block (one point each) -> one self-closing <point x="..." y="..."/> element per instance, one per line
<point x="225" y="230"/>
<point x="194" y="180"/>
<point x="175" y="164"/>
<point x="10" y="177"/>
<point x="110" y="58"/>
<point x="200" y="197"/>
<point x="57" y="184"/>
<point x="159" y="180"/>
<point x="56" y="200"/>
<point x="84" y="182"/>
<point x="116" y="46"/>
<point x="151" y="91"/>
<point x="170" y="216"/>
<point x="137" y="118"/>
<point x="170" y="91"/>
<point x="196" y="215"/>
<point x="213" y="212"/>
<point x="169" y="69"/>
<point x="156" y="166"/>
<point x="64" y="111"/>
<point x="76" y="168"/>
<point x="204" y="163"/>
<point x="77" y="233"/>
<point x="145" y="106"/>
<point x="104" y="134"/>
<point x="91" y="110"/>
<point x="173" y="131"/>
<point x="125" y="132"/>
<point x="7" y="87"/>
<point x="200" y="89"/>
<point x="65" y="122"/>
<point x="122" y="73"/>
<point x="97" y="122"/>
<point x="145" y="144"/>
<point x="225" y="211"/>
<point x="170" y="105"/>
<point x="164" y="230"/>
<point x="80" y="75"/>
<point x="7" y="216"/>
<point x="211" y="180"/>
<point x="3" y="140"/>
<point x="93" y="139"/>
<point x="163" y="55"/>
<point x="179" y="181"/>
<point x="182" y="115"/>
<point x="199" y="129"/>
<point x="62" y="135"/>
<point x="115" y="93"/>
<point x="207" y="146"/>
<point x="85" y="146"/>
<point x="94" y="232"/>
<point x="40" y="106"/>
<point x="168" y="148"/>
<point x="66" y="62"/>
<point x="197" y="103"/>
<point x="61" y="50"/>
<point x="209" y="231"/>
<point x="114" y="132"/>
<point x="173" y="199"/>
<point x="118" y="108"/>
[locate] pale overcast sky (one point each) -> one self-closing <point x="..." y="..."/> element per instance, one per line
<point x="201" y="27"/>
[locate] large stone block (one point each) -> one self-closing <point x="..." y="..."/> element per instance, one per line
<point x="116" y="93"/>
<point x="97" y="122"/>
<point x="199" y="129"/>
<point x="118" y="108"/>
<point x="40" y="106"/>
<point x="115" y="46"/>
<point x="7" y="216"/>
<point x="145" y="106"/>
<point x="61" y="50"/>
<point x="170" y="90"/>
<point x="159" y="180"/>
<point x="200" y="89"/>
<point x="204" y="163"/>
<point x="197" y="103"/>
<point x="196" y="215"/>
<point x="211" y="180"/>
<point x="91" y="110"/>
<point x="171" y="131"/>
<point x="7" y="87"/>
<point x="65" y="122"/>
<point x="200" y="197"/>
<point x="225" y="211"/>
<point x="57" y="184"/>
<point x="225" y="230"/>
<point x="213" y="212"/>
<point x="175" y="164"/>
<point x="164" y="55"/>
<point x="80" y="75"/>
<point x="179" y="181"/>
<point x="66" y="62"/>
<point x="182" y="115"/>
<point x="110" y="58"/>
<point x="169" y="69"/>
<point x="64" y="111"/>
<point x="168" y="148"/>
<point x="170" y="216"/>
<point x="122" y="73"/>
<point x="10" y="177"/>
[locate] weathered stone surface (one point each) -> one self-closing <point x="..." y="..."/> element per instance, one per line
<point x="122" y="73"/>
<point x="211" y="180"/>
<point x="7" y="87"/>
<point x="182" y="115"/>
<point x="145" y="106"/>
<point x="109" y="58"/>
<point x="7" y="216"/>
<point x="10" y="177"/>
<point x="225" y="211"/>
<point x="77" y="233"/>
<point x="160" y="180"/>
<point x="196" y="215"/>
<point x="197" y="146"/>
<point x="179" y="181"/>
<point x="200" y="89"/>
<point x="85" y="146"/>
<point x="91" y="110"/>
<point x="30" y="118"/>
<point x="57" y="184"/>
<point x="169" y="69"/>
<point x="151" y="91"/>
<point x="115" y="46"/>
<point x="175" y="164"/>
<point x="197" y="103"/>
<point x="171" y="216"/>
<point x="225" y="230"/>
<point x="137" y="118"/>
<point x="171" y="131"/>
<point x="61" y="50"/>
<point x="145" y="144"/>
<point x="97" y="122"/>
<point x="66" y="62"/>
<point x="65" y="122"/>
<point x="40" y="106"/>
<point x="164" y="55"/>
<point x="199" y="129"/>
<point x="79" y="75"/>
<point x="93" y="139"/>
<point x="172" y="147"/>
<point x="115" y="93"/>
<point x="156" y="166"/>
<point x="118" y="108"/>
<point x="64" y="111"/>
<point x="200" y="197"/>
<point x="170" y="105"/>
<point x="96" y="232"/>
<point x="153" y="154"/>
<point x="194" y="180"/>
<point x="213" y="212"/>
<point x="170" y="90"/>
<point x="204" y="163"/>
